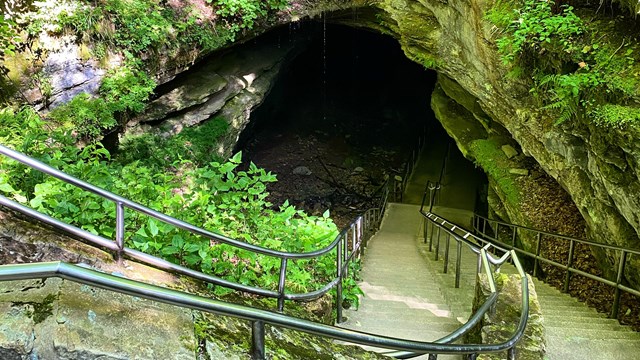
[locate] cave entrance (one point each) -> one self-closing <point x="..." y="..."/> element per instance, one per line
<point x="345" y="112"/>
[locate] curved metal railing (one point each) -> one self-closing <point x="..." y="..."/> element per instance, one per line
<point x="348" y="244"/>
<point x="481" y="247"/>
<point x="405" y="348"/>
<point x="490" y="229"/>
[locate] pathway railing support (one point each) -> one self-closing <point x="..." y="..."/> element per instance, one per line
<point x="616" y="297"/>
<point x="257" y="340"/>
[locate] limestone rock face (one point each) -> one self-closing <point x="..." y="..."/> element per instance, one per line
<point x="59" y="319"/>
<point x="599" y="168"/>
<point x="226" y="86"/>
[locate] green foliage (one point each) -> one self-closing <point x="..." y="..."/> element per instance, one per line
<point x="126" y="90"/>
<point x="9" y="40"/>
<point x="502" y="14"/>
<point x="217" y="196"/>
<point x="489" y="155"/>
<point x="566" y="93"/>
<point x="612" y="115"/>
<point x="583" y="68"/>
<point x="243" y="13"/>
<point x="538" y="30"/>
<point x="195" y="144"/>
<point x="87" y="118"/>
<point x="141" y="26"/>
<point x="123" y="91"/>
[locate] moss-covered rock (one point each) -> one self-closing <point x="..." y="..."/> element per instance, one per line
<point x="499" y="324"/>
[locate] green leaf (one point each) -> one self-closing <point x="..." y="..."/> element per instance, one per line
<point x="325" y="215"/>
<point x="6" y="188"/>
<point x="153" y="227"/>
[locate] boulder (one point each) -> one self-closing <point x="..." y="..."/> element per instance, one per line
<point x="509" y="151"/>
<point x="500" y="323"/>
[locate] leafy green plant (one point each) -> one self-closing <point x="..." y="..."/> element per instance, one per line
<point x="196" y="144"/>
<point x="540" y="33"/>
<point x="87" y="118"/>
<point x="127" y="90"/>
<point x="582" y="69"/>
<point x="244" y="13"/>
<point x="142" y="26"/>
<point x="612" y="115"/>
<point x="217" y="196"/>
<point x="9" y="40"/>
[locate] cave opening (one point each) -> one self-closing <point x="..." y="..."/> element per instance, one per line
<point x="345" y="113"/>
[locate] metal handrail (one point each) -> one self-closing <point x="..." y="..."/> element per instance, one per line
<point x="356" y="229"/>
<point x="480" y="226"/>
<point x="416" y="152"/>
<point x="258" y="317"/>
<point x="480" y="247"/>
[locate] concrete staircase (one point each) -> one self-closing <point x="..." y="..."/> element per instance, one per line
<point x="401" y="298"/>
<point x="575" y="331"/>
<point x="408" y="294"/>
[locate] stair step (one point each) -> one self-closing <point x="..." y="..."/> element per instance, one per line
<point x="581" y="348"/>
<point x="569" y="324"/>
<point x="592" y="334"/>
<point x="574" y="312"/>
<point x="589" y="320"/>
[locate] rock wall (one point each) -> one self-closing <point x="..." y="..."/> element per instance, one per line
<point x="599" y="168"/>
<point x="227" y="85"/>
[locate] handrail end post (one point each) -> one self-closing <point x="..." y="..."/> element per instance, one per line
<point x="257" y="340"/>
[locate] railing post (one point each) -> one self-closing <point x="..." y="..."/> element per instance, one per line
<point x="424" y="196"/>
<point x="484" y="227"/>
<point x="367" y="232"/>
<point x="458" y="259"/>
<point x="536" y="262"/>
<point x="119" y="231"/>
<point x="446" y="253"/>
<point x="511" y="353"/>
<point x="438" y="244"/>
<point x="433" y="356"/>
<point x="616" y="296"/>
<point x="257" y="340"/>
<point x="354" y="237"/>
<point x="472" y="356"/>
<point x="281" y="280"/>
<point x="360" y="235"/>
<point x="339" y="286"/>
<point x="425" y="229"/>
<point x="567" y="277"/>
<point x="433" y="228"/>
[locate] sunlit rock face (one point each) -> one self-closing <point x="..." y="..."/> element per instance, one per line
<point x="597" y="167"/>
<point x="227" y="86"/>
